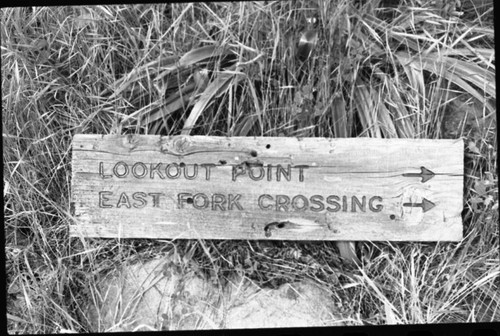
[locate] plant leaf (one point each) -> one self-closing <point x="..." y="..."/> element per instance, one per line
<point x="339" y="117"/>
<point x="215" y="88"/>
<point x="170" y="108"/>
<point x="395" y="105"/>
<point x="197" y="55"/>
<point x="252" y="118"/>
<point x="456" y="71"/>
<point x="385" y="120"/>
<point x="366" y="109"/>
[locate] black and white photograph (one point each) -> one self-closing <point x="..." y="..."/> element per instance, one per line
<point x="261" y="166"/>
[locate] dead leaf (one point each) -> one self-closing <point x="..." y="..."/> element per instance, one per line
<point x="473" y="148"/>
<point x="480" y="188"/>
<point x="488" y="200"/>
<point x="475" y="202"/>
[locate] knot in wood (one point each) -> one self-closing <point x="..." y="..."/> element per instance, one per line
<point x="181" y="145"/>
<point x="130" y="141"/>
<point x="177" y="146"/>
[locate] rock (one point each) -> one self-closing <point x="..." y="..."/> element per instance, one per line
<point x="160" y="295"/>
<point x="155" y="295"/>
<point x="302" y="304"/>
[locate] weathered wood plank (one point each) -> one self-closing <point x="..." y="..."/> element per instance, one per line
<point x="267" y="188"/>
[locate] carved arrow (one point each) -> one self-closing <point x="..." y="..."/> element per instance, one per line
<point x="426" y="205"/>
<point x="425" y="174"/>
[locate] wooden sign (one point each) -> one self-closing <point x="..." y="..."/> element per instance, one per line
<point x="144" y="186"/>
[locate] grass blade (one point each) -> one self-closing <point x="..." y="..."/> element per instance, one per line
<point x="339" y="117"/>
<point x="214" y="89"/>
<point x="200" y="54"/>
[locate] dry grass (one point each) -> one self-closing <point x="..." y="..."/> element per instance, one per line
<point x="418" y="71"/>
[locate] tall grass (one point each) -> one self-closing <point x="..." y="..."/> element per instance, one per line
<point x="231" y="69"/>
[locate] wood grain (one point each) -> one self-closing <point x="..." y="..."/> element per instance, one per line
<point x="309" y="188"/>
